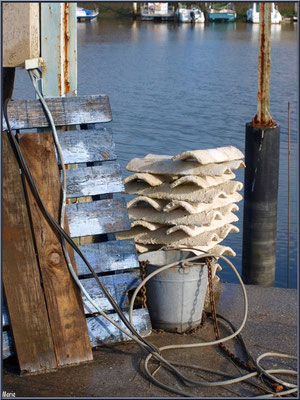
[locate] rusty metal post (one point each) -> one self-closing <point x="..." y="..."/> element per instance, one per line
<point x="59" y="49"/>
<point x="263" y="116"/>
<point x="261" y="173"/>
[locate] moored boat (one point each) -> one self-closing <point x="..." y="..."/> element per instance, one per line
<point x="221" y="12"/>
<point x="252" y="14"/>
<point x="85" y="14"/>
<point x="157" y="11"/>
<point x="193" y="14"/>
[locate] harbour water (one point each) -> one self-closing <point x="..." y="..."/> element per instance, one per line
<point x="179" y="87"/>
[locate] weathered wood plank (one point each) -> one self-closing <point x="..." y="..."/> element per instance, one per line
<point x="108" y="256"/>
<point x="89" y="181"/>
<point x="117" y="285"/>
<point x="21" y="280"/>
<point x="28" y="114"/>
<point x="63" y="297"/>
<point x="103" y="216"/>
<point x="102" y="331"/>
<point x="7" y="344"/>
<point x="5" y="318"/>
<point x="83" y="146"/>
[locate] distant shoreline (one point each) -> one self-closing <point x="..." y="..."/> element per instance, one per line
<point x="125" y="9"/>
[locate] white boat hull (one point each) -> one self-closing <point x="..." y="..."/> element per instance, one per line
<point x="252" y="15"/>
<point x="186" y="15"/>
<point x="159" y="11"/>
<point x="84" y="14"/>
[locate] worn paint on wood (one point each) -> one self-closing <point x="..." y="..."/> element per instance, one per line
<point x="87" y="146"/>
<point x="114" y="255"/>
<point x="28" y="114"/>
<point x="5" y="319"/>
<point x="21" y="279"/>
<point x="102" y="331"/>
<point x="117" y="285"/>
<point x="63" y="298"/>
<point x="7" y="344"/>
<point x="97" y="217"/>
<point x="95" y="180"/>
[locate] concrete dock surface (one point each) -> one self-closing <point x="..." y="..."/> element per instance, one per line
<point x="117" y="370"/>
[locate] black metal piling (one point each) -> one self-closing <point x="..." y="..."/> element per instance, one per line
<point x="260" y="205"/>
<point x="261" y="174"/>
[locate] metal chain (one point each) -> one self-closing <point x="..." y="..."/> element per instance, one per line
<point x="143" y="265"/>
<point x="233" y="357"/>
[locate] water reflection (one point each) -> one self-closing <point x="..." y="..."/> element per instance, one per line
<point x="160" y="30"/>
<point x="275" y="32"/>
<point x="184" y="28"/>
<point x="279" y="32"/>
<point x="134" y="30"/>
<point x="230" y="26"/>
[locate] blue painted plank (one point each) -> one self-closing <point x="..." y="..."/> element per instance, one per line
<point x="108" y="256"/>
<point x="117" y="285"/>
<point x="89" y="181"/>
<point x="82" y="146"/>
<point x="97" y="217"/>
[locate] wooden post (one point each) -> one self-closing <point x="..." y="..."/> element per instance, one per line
<point x="21" y="277"/>
<point x="63" y="297"/>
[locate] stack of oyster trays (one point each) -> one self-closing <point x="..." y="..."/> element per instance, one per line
<point x="185" y="201"/>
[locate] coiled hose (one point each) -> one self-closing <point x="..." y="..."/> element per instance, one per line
<point x="293" y="388"/>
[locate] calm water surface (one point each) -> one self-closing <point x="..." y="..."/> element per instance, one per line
<point x="181" y="87"/>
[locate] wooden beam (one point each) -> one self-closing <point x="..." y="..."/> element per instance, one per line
<point x="89" y="181"/>
<point x="7" y="344"/>
<point x="102" y="331"/>
<point x="118" y="286"/>
<point x="98" y="217"/>
<point x="21" y="278"/>
<point x="82" y="146"/>
<point x="114" y="255"/>
<point x="28" y="114"/>
<point x="63" y="298"/>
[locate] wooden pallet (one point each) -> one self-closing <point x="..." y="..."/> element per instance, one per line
<point x="93" y="216"/>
